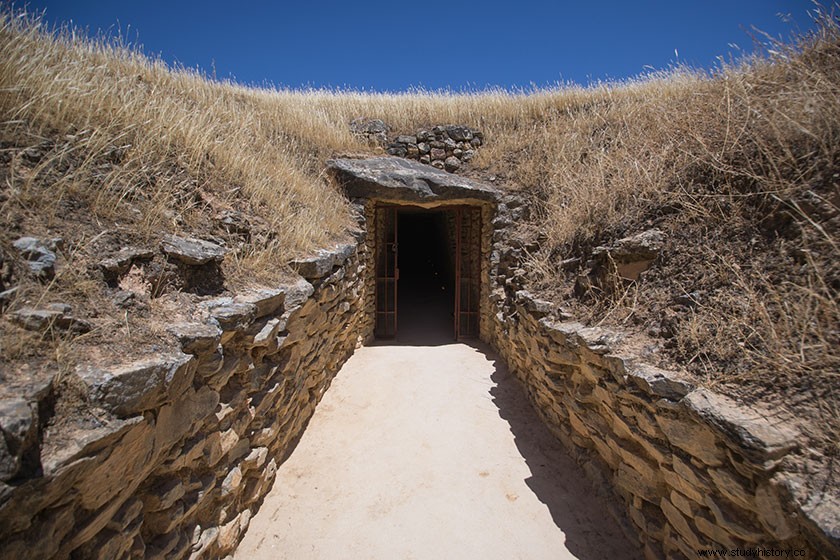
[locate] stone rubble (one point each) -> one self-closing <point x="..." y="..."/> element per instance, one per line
<point x="56" y="316"/>
<point x="445" y="147"/>
<point x="191" y="251"/>
<point x="39" y="255"/>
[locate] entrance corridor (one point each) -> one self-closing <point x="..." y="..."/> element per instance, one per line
<point x="429" y="452"/>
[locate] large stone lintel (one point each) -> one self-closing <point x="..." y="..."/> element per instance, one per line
<point x="405" y="181"/>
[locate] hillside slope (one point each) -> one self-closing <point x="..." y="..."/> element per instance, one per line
<point x="105" y="148"/>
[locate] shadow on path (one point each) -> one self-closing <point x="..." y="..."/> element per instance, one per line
<point x="556" y="479"/>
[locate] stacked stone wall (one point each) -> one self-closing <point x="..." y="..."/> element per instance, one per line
<point x="684" y="469"/>
<point x="442" y="146"/>
<point x="188" y="442"/>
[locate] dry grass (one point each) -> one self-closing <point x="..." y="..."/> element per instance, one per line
<point x="739" y="168"/>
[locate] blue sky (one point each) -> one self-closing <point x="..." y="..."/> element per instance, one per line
<point x="396" y="45"/>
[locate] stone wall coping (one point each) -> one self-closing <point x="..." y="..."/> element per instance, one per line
<point x="267" y="301"/>
<point x="753" y="431"/>
<point x="659" y="382"/>
<point x="129" y="389"/>
<point x="323" y="261"/>
<point x="761" y="438"/>
<point x="759" y="434"/>
<point x="180" y="435"/>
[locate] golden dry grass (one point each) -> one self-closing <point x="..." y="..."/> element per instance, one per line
<point x="739" y="168"/>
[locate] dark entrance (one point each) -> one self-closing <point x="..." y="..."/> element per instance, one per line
<point x="427" y="271"/>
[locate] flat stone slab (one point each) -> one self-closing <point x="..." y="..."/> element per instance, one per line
<point x="192" y="251"/>
<point x="399" y="179"/>
<point x="758" y="433"/>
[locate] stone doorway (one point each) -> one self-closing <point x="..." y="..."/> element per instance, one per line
<point x="428" y="270"/>
<point x="391" y="194"/>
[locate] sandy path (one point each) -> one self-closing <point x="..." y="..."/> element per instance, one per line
<point x="429" y="452"/>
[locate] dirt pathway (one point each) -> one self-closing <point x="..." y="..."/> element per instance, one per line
<point x="429" y="452"/>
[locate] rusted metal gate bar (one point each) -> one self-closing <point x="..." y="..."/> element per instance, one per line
<point x="466" y="272"/>
<point x="387" y="272"/>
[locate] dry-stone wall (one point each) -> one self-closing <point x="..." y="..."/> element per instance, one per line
<point x="443" y="146"/>
<point x="692" y="469"/>
<point x="189" y="442"/>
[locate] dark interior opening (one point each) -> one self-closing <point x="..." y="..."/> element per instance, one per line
<point x="426" y="295"/>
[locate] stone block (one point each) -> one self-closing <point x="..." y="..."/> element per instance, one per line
<point x="320" y="264"/>
<point x="685" y="505"/>
<point x="714" y="532"/>
<point x="265" y="301"/>
<point x="206" y="542"/>
<point x="44" y="539"/>
<point x="230" y="532"/>
<point x="636" y="484"/>
<point x="144" y="385"/>
<point x="678" y="483"/>
<point x="606" y="451"/>
<point x="177" y="420"/>
<point x="163" y="495"/>
<point x="130" y="460"/>
<point x="128" y="514"/>
<point x="757" y="434"/>
<point x="771" y="513"/>
<point x="736" y="489"/>
<point x="635" y="459"/>
<point x="19" y="445"/>
<point x="55" y="317"/>
<point x="680" y="523"/>
<point x="734" y="522"/>
<point x="232" y="481"/>
<point x="255" y="459"/>
<point x="693" y="438"/>
<point x="165" y="546"/>
<point x="164" y="521"/>
<point x="192" y="251"/>
<point x="233" y="316"/>
<point x="658" y="382"/>
<point x="106" y="545"/>
<point x="196" y="338"/>
<point x="39" y="256"/>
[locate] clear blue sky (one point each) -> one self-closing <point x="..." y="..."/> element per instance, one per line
<point x="395" y="45"/>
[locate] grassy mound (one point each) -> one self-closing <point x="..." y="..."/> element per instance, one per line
<point x="104" y="147"/>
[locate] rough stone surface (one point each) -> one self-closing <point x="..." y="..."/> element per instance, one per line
<point x="144" y="385"/>
<point x="196" y="338"/>
<point x="691" y="467"/>
<point x="659" y="382"/>
<point x="322" y="263"/>
<point x="191" y="251"/>
<point x="630" y="256"/>
<point x="121" y="262"/>
<point x="202" y="432"/>
<point x="374" y="131"/>
<point x="758" y="434"/>
<point x="39" y="257"/>
<point x="444" y="147"/>
<point x="398" y="179"/>
<point x="55" y="317"/>
<point x="196" y="437"/>
<point x="18" y="437"/>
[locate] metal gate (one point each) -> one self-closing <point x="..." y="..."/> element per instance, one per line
<point x="387" y="272"/>
<point x="467" y="245"/>
<point x="467" y="270"/>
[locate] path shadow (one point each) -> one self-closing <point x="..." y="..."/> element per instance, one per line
<point x="556" y="479"/>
